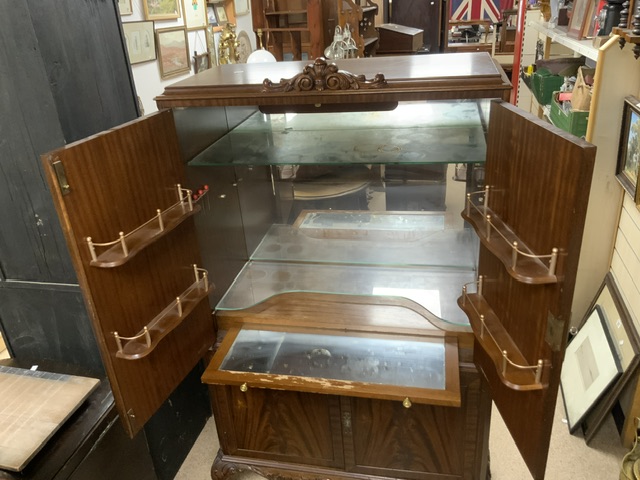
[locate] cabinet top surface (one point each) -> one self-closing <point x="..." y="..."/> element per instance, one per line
<point x="459" y="75"/>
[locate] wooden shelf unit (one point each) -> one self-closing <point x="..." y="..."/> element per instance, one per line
<point x="292" y="27"/>
<point x="360" y="15"/>
<point x="229" y="10"/>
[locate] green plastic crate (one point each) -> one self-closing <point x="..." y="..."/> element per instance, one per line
<point x="574" y="122"/>
<point x="542" y="84"/>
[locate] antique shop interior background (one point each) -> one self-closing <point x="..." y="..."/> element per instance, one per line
<point x="57" y="53"/>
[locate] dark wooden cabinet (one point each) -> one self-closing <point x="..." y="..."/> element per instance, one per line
<point x="431" y="17"/>
<point x="66" y="76"/>
<point x="398" y="39"/>
<point x="327" y="435"/>
<point x="288" y="140"/>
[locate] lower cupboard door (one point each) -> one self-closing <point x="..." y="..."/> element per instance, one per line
<point x="281" y="426"/>
<point x="421" y="442"/>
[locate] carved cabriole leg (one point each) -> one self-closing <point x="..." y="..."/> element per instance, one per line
<point x="227" y="470"/>
<point x="221" y="470"/>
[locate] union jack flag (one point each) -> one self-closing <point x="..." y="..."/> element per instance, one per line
<point x="479" y="9"/>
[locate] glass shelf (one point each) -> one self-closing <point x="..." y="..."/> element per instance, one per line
<point x="413" y="133"/>
<point x="436" y="289"/>
<point x="428" y="244"/>
<point x="402" y="363"/>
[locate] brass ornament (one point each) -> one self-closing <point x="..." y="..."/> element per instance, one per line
<point x="228" y="48"/>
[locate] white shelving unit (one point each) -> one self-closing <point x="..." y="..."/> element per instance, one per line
<point x="559" y="35"/>
<point x="617" y="75"/>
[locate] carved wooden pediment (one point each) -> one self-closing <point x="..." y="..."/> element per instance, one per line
<point x="320" y="76"/>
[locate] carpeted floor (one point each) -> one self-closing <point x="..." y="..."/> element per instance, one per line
<point x="569" y="457"/>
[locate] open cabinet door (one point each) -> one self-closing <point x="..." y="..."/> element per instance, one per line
<point x="530" y="220"/>
<point x="127" y="216"/>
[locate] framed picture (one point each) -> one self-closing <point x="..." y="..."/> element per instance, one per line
<point x="140" y="40"/>
<point x="221" y="14"/>
<point x="627" y="342"/>
<point x="161" y="9"/>
<point x="241" y="7"/>
<point x="578" y="18"/>
<point x="211" y="46"/>
<point x="590" y="366"/>
<point x="124" y="6"/>
<point x="211" y="15"/>
<point x="200" y="62"/>
<point x="629" y="149"/>
<point x="173" y="51"/>
<point x="591" y="20"/>
<point x="194" y="13"/>
<point x="244" y="47"/>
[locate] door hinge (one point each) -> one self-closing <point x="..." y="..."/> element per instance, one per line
<point x="555" y="329"/>
<point x="58" y="168"/>
<point x="131" y="420"/>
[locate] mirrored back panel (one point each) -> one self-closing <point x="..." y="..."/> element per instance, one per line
<point x="364" y="203"/>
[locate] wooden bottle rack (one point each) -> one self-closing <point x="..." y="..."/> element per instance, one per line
<point x="141" y="344"/>
<point x="520" y="262"/>
<point x="127" y="245"/>
<point x="510" y="364"/>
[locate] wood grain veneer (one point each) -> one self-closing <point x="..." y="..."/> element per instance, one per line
<point x="415" y="77"/>
<point x="118" y="180"/>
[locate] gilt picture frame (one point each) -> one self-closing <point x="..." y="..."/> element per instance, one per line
<point x="629" y="148"/>
<point x="173" y="53"/>
<point x="211" y="46"/>
<point x="161" y="9"/>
